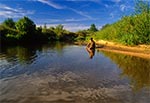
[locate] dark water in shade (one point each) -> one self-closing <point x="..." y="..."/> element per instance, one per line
<point x="63" y="73"/>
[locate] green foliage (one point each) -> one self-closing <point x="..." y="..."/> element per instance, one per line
<point x="104" y="26"/>
<point x="25" y="31"/>
<point x="141" y="6"/>
<point x="48" y="34"/>
<point x="59" y="31"/>
<point x="9" y="23"/>
<point x="7" y="34"/>
<point x="93" y="28"/>
<point x="130" y="30"/>
<point x="21" y="31"/>
<point x="81" y="35"/>
<point x="25" y="25"/>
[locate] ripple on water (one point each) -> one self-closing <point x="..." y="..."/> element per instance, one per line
<point x="63" y="87"/>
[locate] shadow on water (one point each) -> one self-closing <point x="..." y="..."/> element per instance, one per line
<point x="136" y="69"/>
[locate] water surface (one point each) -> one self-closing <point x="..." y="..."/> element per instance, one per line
<point x="63" y="73"/>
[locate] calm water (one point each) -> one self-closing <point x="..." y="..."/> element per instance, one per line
<point x="62" y="73"/>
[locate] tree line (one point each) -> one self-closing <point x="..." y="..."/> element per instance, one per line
<point x="25" y="31"/>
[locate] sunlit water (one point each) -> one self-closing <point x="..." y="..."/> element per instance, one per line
<point x="61" y="73"/>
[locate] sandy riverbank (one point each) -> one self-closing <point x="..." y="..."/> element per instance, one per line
<point x="142" y="51"/>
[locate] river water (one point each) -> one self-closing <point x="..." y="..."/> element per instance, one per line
<point x="64" y="73"/>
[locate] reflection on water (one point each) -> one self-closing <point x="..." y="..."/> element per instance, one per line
<point x="60" y="73"/>
<point x="91" y="52"/>
<point x="14" y="60"/>
<point x="26" y="54"/>
<point x="137" y="69"/>
<point x="22" y="54"/>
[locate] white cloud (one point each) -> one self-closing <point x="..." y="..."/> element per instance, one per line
<point x="70" y="26"/>
<point x="56" y="6"/>
<point x="9" y="12"/>
<point x="84" y="0"/>
<point x="75" y="20"/>
<point x="52" y="4"/>
<point x="69" y="20"/>
<point x="106" y="5"/>
<point x="96" y="1"/>
<point x="76" y="27"/>
<point x="126" y="7"/>
<point x="80" y="13"/>
<point x="123" y="7"/>
<point x="112" y="15"/>
<point x="116" y="1"/>
<point x="50" y="20"/>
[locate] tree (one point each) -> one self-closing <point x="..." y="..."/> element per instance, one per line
<point x="9" y="23"/>
<point x="142" y="11"/>
<point x="59" y="31"/>
<point x="104" y="26"/>
<point x="45" y="27"/>
<point x="8" y="31"/>
<point x="26" y="26"/>
<point x="142" y="6"/>
<point x="93" y="28"/>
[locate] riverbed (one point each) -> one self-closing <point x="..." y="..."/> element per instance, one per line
<point x="65" y="73"/>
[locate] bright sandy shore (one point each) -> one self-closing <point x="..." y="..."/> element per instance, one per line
<point x="142" y="51"/>
<point x="139" y="50"/>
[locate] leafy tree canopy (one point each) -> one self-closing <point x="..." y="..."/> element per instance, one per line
<point x="142" y="6"/>
<point x="9" y="23"/>
<point x="93" y="28"/>
<point x="26" y="25"/>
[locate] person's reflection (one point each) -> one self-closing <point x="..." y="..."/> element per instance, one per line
<point x="91" y="48"/>
<point x="91" y="52"/>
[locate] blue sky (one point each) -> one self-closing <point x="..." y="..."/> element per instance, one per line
<point x="73" y="14"/>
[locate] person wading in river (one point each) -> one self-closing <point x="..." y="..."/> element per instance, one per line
<point x="91" y="48"/>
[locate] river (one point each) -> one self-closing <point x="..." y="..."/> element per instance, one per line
<point x="64" y="73"/>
